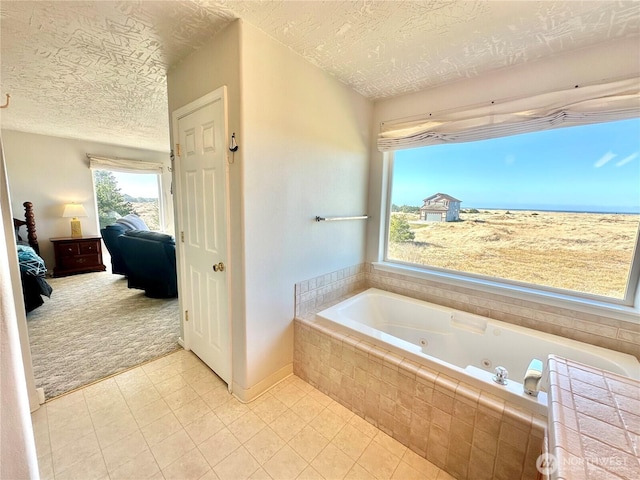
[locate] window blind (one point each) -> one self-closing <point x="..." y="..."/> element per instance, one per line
<point x="123" y="165"/>
<point x="577" y="106"/>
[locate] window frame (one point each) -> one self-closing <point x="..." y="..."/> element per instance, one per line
<point x="626" y="309"/>
<point x="161" y="207"/>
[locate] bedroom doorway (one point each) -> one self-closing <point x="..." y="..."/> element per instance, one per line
<point x="94" y="325"/>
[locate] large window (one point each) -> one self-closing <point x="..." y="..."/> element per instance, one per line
<point x="119" y="194"/>
<point x="556" y="209"/>
<point x="128" y="186"/>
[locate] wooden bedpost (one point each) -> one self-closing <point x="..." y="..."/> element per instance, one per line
<point x="31" y="226"/>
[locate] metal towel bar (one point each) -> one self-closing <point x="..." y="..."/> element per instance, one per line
<point x="334" y="219"/>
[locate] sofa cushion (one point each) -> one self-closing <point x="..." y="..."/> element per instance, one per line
<point x="116" y="228"/>
<point x="155" y="236"/>
<point x="132" y="222"/>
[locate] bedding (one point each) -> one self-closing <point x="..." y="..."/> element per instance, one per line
<point x="32" y="273"/>
<point x="32" y="267"/>
<point x="30" y="262"/>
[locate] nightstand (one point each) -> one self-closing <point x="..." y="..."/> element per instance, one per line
<point x="77" y="255"/>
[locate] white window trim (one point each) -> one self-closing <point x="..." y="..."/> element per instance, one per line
<point x="162" y="220"/>
<point x="551" y="297"/>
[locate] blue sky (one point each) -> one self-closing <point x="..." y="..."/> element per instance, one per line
<point x="588" y="168"/>
<point x="138" y="185"/>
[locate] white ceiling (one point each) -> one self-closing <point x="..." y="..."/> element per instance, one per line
<point x="96" y="70"/>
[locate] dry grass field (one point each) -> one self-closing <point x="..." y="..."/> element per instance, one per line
<point x="583" y="252"/>
<point x="148" y="211"/>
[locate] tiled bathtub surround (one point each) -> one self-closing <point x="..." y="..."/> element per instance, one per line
<point x="594" y="423"/>
<point x="465" y="431"/>
<point x="313" y="293"/>
<point x="593" y="329"/>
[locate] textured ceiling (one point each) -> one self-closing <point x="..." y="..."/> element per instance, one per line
<point x="96" y="70"/>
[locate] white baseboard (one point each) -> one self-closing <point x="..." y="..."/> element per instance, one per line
<point x="250" y="394"/>
<point x="40" y="392"/>
<point x="181" y="342"/>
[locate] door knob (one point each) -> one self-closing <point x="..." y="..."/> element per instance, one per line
<point x="218" y="267"/>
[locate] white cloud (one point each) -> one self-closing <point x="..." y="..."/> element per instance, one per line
<point x="626" y="160"/>
<point x="607" y="157"/>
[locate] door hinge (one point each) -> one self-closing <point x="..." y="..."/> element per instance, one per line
<point x="186" y="315"/>
<point x="182" y="237"/>
<point x="178" y="150"/>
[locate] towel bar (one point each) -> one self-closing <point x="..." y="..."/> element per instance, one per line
<point x="334" y="219"/>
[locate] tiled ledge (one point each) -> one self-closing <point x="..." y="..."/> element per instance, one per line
<point x="594" y="423"/>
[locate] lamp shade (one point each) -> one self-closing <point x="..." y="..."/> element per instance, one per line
<point x="74" y="210"/>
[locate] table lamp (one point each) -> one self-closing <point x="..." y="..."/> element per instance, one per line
<point x="74" y="210"/>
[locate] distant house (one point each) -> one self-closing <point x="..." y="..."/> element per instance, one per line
<point x="440" y="208"/>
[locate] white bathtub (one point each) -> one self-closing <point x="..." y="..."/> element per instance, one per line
<point x="462" y="344"/>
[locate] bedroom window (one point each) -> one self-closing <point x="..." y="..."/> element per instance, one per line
<point x="554" y="210"/>
<point x="126" y="186"/>
<point x="119" y="194"/>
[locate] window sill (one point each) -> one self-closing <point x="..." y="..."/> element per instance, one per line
<point x="554" y="299"/>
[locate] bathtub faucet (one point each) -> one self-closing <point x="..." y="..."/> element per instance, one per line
<point x="532" y="378"/>
<point x="501" y="376"/>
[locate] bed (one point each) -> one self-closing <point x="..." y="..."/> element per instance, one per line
<point x="32" y="267"/>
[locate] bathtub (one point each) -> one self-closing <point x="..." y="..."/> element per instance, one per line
<point x="465" y="346"/>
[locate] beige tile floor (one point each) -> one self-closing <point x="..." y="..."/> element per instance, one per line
<point x="174" y="419"/>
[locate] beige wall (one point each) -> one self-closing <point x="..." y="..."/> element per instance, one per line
<point x="306" y="154"/>
<point x="304" y="140"/>
<point x="52" y="171"/>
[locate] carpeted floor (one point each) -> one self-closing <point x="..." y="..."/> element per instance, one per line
<point x="94" y="326"/>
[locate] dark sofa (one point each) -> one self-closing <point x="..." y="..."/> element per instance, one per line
<point x="147" y="259"/>
<point x="150" y="261"/>
<point x="110" y="236"/>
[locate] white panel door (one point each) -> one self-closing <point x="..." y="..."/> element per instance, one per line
<point x="204" y="226"/>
